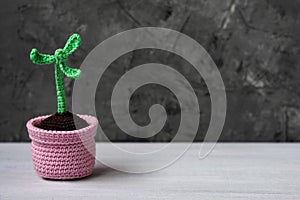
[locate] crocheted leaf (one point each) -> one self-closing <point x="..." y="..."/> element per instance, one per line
<point x="70" y="72"/>
<point x="41" y="59"/>
<point x="72" y="44"/>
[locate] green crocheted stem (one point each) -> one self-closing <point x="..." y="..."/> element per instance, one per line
<point x="59" y="58"/>
<point x="60" y="90"/>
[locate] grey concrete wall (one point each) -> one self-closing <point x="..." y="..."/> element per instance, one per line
<point x="255" y="45"/>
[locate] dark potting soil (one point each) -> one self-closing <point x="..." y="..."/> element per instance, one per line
<point x="62" y="122"/>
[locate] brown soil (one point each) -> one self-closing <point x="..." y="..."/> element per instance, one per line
<point x="62" y="122"/>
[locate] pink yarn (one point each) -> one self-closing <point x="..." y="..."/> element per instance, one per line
<point x="63" y="154"/>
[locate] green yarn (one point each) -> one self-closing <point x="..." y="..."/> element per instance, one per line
<point x="59" y="58"/>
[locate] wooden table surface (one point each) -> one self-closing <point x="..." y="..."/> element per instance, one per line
<point x="231" y="171"/>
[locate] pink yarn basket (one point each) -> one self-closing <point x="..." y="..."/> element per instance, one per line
<point x="63" y="154"/>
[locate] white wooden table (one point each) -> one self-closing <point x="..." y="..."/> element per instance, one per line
<point x="231" y="171"/>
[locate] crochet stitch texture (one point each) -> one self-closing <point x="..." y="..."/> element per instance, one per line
<point x="59" y="58"/>
<point x="63" y="154"/>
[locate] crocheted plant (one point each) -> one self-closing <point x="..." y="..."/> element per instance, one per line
<point x="59" y="58"/>
<point x="56" y="122"/>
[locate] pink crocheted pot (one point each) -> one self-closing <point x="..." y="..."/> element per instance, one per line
<point x="63" y="154"/>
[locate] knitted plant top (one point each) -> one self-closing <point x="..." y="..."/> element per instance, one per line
<point x="59" y="58"/>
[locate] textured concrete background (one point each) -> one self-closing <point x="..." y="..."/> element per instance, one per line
<point x="254" y="43"/>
